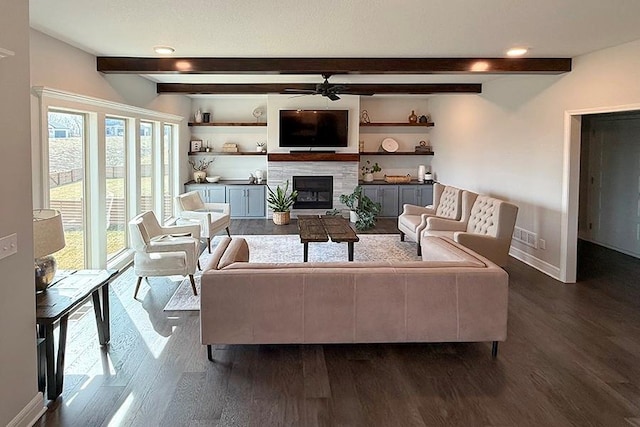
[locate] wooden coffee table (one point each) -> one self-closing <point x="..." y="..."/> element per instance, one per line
<point x="314" y="228"/>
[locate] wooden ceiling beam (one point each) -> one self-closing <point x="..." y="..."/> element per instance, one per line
<point x="201" y="65"/>
<point x="262" y="88"/>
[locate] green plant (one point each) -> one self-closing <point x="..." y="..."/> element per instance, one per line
<point x="281" y="200"/>
<point x="369" y="168"/>
<point x="365" y="208"/>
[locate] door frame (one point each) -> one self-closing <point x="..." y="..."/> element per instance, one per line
<point x="571" y="186"/>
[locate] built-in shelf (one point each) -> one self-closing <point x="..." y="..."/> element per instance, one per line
<point x="424" y="125"/>
<point x="397" y="153"/>
<point x="229" y="124"/>
<point x="225" y="153"/>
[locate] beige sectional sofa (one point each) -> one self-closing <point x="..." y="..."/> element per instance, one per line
<point x="453" y="295"/>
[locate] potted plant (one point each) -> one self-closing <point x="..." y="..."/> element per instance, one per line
<point x="200" y="169"/>
<point x="363" y="210"/>
<point x="280" y="202"/>
<point x="368" y="170"/>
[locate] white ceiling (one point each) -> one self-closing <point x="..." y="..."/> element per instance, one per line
<point x="337" y="28"/>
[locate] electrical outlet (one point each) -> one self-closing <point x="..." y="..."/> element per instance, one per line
<point x="8" y="245"/>
<point x="543" y="244"/>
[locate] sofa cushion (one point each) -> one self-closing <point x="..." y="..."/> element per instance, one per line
<point x="214" y="259"/>
<point x="237" y="251"/>
<point x="441" y="250"/>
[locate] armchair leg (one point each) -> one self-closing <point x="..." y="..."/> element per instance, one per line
<point x="135" y="293"/>
<point x="494" y="350"/>
<point x="210" y="353"/>
<point x="419" y="249"/>
<point x="198" y="265"/>
<point x="193" y="284"/>
<point x="228" y="232"/>
<point x="401" y="236"/>
<point x="209" y="244"/>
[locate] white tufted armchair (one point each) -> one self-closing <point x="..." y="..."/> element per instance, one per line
<point x="212" y="217"/>
<point x="163" y="251"/>
<point x="488" y="230"/>
<point x="447" y="203"/>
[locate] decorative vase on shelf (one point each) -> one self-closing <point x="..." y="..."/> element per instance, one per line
<point x="198" y="116"/>
<point x="413" y="118"/>
<point x="368" y="177"/>
<point x="199" y="176"/>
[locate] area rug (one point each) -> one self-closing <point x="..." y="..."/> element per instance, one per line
<point x="287" y="248"/>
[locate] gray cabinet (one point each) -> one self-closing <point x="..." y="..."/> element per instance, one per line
<point x="213" y="193"/>
<point x="246" y="201"/>
<point x="419" y="195"/>
<point x="386" y="195"/>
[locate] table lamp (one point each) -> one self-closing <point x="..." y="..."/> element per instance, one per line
<point x="48" y="237"/>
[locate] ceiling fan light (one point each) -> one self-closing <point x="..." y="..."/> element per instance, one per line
<point x="515" y="52"/>
<point x="163" y="50"/>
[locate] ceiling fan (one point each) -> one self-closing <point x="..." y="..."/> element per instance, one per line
<point x="327" y="89"/>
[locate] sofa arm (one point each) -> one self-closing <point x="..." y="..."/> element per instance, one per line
<point x="444" y="224"/>
<point x="487" y="246"/>
<point x="417" y="210"/>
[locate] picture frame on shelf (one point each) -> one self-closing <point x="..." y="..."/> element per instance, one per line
<point x="196" y="145"/>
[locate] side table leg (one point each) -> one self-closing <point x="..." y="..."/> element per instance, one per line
<point x="101" y="310"/>
<point x="350" y="248"/>
<point x="62" y="344"/>
<point x="51" y="361"/>
<point x="306" y="251"/>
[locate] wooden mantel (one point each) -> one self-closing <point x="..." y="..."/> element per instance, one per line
<point x="310" y="156"/>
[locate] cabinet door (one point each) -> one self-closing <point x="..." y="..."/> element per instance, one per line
<point x="371" y="191"/>
<point x="196" y="187"/>
<point x="216" y="194"/>
<point x="237" y="200"/>
<point x="388" y="195"/>
<point x="425" y="194"/>
<point x="255" y="202"/>
<point x="408" y="194"/>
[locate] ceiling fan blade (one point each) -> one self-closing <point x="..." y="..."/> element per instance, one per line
<point x="303" y="91"/>
<point x="332" y="96"/>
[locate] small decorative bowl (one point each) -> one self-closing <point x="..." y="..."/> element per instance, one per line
<point x="213" y="178"/>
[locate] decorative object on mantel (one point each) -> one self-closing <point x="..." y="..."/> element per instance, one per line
<point x="364" y="117"/>
<point x="48" y="238"/>
<point x="397" y="179"/>
<point x="206" y="117"/>
<point x="423" y="119"/>
<point x="200" y="169"/>
<point x="261" y="146"/>
<point x="361" y="146"/>
<point x="413" y="118"/>
<point x="280" y="202"/>
<point x="368" y="170"/>
<point x="389" y="145"/>
<point x="423" y="147"/>
<point x="198" y="116"/>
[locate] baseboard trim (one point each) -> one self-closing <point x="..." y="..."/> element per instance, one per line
<point x="537" y="263"/>
<point x="31" y="413"/>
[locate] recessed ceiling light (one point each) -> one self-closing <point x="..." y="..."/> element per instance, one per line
<point x="517" y="51"/>
<point x="164" y="50"/>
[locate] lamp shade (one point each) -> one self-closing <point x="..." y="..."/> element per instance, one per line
<point x="48" y="235"/>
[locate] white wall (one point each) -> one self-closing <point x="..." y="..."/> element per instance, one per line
<point x="18" y="388"/>
<point x="509" y="140"/>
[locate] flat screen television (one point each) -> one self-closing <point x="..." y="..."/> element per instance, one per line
<point x="314" y="128"/>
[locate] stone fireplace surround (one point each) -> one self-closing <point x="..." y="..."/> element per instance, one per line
<point x="345" y="179"/>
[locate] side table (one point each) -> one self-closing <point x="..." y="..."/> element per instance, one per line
<point x="70" y="290"/>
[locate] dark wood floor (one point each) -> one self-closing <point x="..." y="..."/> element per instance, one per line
<point x="572" y="358"/>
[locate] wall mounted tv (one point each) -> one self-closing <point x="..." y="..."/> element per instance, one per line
<point x="314" y="128"/>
